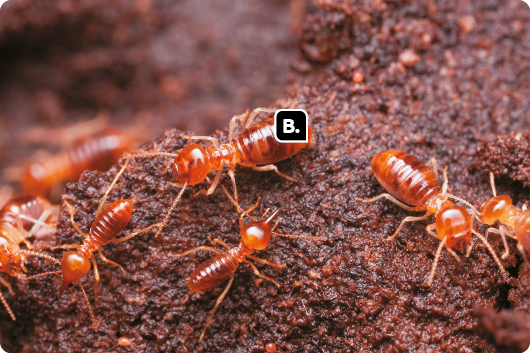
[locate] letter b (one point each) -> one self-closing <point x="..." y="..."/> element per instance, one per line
<point x="288" y="126"/>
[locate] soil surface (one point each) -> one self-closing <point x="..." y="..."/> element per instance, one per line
<point x="439" y="79"/>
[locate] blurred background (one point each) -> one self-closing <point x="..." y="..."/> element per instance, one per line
<point x="74" y="68"/>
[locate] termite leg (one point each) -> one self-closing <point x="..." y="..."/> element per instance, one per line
<point x="499" y="231"/>
<point x="470" y="247"/>
<point x="446" y="181"/>
<point x="255" y="113"/>
<point x="435" y="263"/>
<point x="242" y="118"/>
<point x="272" y="167"/>
<point x="70" y="210"/>
<point x="213" y="140"/>
<point x="212" y="187"/>
<point x="168" y="214"/>
<point x="257" y="259"/>
<point x="492" y="182"/>
<point x="218" y="241"/>
<point x="96" y="275"/>
<point x="19" y="237"/>
<point x="254" y="268"/>
<point x="219" y="300"/>
<point x="233" y="178"/>
<point x="434" y="163"/>
<point x="429" y="229"/>
<point x="394" y="200"/>
<point x="7" y="307"/>
<point x="407" y="219"/>
<point x="116" y="178"/>
<point x="207" y="248"/>
<point x="6" y="283"/>
<point x="490" y="249"/>
<point x="110" y="261"/>
<point x="523" y="253"/>
<point x="42" y="275"/>
<point x="135" y="233"/>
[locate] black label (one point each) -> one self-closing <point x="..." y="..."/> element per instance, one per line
<point x="291" y="125"/>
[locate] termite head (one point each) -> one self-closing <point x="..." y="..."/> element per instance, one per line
<point x="495" y="208"/>
<point x="454" y="224"/>
<point x="257" y="235"/>
<point x="75" y="266"/>
<point x="11" y="261"/>
<point x="191" y="165"/>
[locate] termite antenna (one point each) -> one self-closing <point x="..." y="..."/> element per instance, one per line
<point x="492" y="182"/>
<point x="104" y="199"/>
<point x="42" y="275"/>
<point x="7" y="307"/>
<point x="93" y="318"/>
<point x="38" y="254"/>
<point x="168" y="214"/>
<point x="435" y="263"/>
<point x="466" y="203"/>
<point x="234" y="202"/>
<point x="487" y="244"/>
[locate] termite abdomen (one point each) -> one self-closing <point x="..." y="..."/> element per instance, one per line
<point x="111" y="222"/>
<point x="213" y="272"/>
<point x="29" y="206"/>
<point x="257" y="145"/>
<point x="405" y="177"/>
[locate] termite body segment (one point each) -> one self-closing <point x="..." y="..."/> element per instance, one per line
<point x="410" y="181"/>
<point x="27" y="214"/>
<point x="515" y="222"/>
<point x="255" y="147"/>
<point x="13" y="259"/>
<point x="96" y="152"/>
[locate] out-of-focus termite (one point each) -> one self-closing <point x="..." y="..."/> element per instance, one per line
<point x="27" y="214"/>
<point x="13" y="259"/>
<point x="255" y="147"/>
<point x="515" y="222"/>
<point x="94" y="152"/>
<point x="409" y="180"/>
<point x="255" y="235"/>
<point x="109" y="223"/>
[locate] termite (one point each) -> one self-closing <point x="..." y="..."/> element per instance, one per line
<point x="255" y="235"/>
<point x="110" y="221"/>
<point x="27" y="214"/>
<point x="95" y="152"/>
<point x="410" y="182"/>
<point x="515" y="222"/>
<point x="13" y="259"/>
<point x="255" y="147"/>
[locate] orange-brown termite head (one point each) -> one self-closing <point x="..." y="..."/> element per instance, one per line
<point x="191" y="165"/>
<point x="11" y="261"/>
<point x="454" y="224"/>
<point x="75" y="266"/>
<point x="495" y="208"/>
<point x="257" y="235"/>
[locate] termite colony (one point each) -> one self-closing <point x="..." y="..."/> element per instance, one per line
<point x="410" y="183"/>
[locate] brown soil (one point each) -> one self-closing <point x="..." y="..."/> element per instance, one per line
<point x="440" y="79"/>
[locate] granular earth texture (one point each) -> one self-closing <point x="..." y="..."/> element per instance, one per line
<point x="438" y="80"/>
